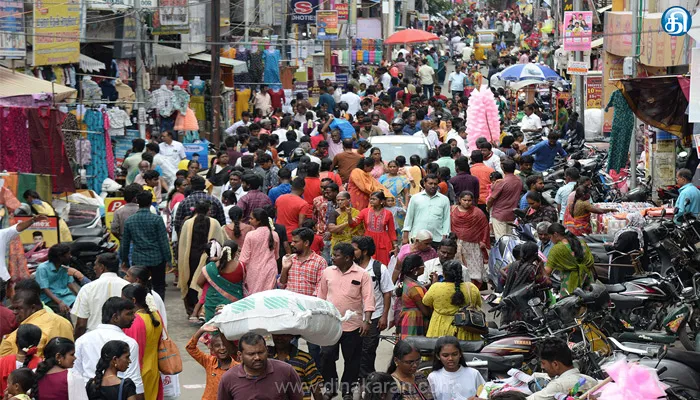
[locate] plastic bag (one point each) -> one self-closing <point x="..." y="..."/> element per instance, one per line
<point x="171" y="386"/>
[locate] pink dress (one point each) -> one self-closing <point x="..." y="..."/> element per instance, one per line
<point x="260" y="261"/>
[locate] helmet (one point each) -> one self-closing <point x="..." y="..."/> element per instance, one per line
<point x="397" y="121"/>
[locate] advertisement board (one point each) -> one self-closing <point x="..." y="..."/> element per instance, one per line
<point x="578" y="29"/>
<point x="12" y="43"/>
<point x="47" y="230"/>
<point x="594" y="92"/>
<point x="112" y="204"/>
<point x="343" y="11"/>
<point x="171" y="17"/>
<point x="577" y="68"/>
<point x="304" y="11"/>
<point x="56" y="33"/>
<point x="327" y="25"/>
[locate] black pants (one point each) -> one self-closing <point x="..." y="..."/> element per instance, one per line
<point x="369" y="350"/>
<point x="158" y="278"/>
<point x="351" y="345"/>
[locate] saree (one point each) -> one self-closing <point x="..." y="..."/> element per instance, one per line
<point x="348" y="232"/>
<point x="472" y="229"/>
<point x="148" y="336"/>
<point x="574" y="272"/>
<point x="580" y="225"/>
<point x="360" y="185"/>
<point x="183" y="258"/>
<point x="221" y="290"/>
<point x="397" y="185"/>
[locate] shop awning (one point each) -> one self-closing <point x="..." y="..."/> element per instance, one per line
<point x="89" y="64"/>
<point x="168" y="56"/>
<point x="19" y="84"/>
<point x="597" y="43"/>
<point x="238" y="66"/>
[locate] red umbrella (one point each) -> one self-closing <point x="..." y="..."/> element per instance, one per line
<point x="411" y="36"/>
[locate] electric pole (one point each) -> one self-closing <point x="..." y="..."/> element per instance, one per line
<point x="215" y="72"/>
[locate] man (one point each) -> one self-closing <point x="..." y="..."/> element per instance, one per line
<point x="131" y="163"/>
<point x="426" y="74"/>
<point x="245" y="121"/>
<point x="504" y="198"/>
<point x="284" y="187"/>
<point x="445" y="160"/>
<point x="6" y="235"/>
<point x="352" y="99"/>
<point x="327" y="99"/>
<point x="91" y="297"/>
<point x="688" y="195"/>
<point x="254" y="198"/>
<point x="263" y="101"/>
<point x="491" y="160"/>
<point x="438" y="94"/>
<point x="571" y="176"/>
<point x="429" y="210"/>
<point x="186" y="208"/>
<point x="412" y="126"/>
<point x="545" y="244"/>
<point x="431" y="135"/>
<point x="573" y="129"/>
<point x="483" y="174"/>
<point x="464" y="181"/>
<point x="346" y="161"/>
<point x="535" y="184"/>
<point x="526" y="170"/>
<point x="145" y="236"/>
<point x="366" y="78"/>
<point x="302" y="362"/>
<point x="322" y="207"/>
<point x="27" y="308"/>
<point x="557" y="363"/>
<point x="456" y="81"/>
<point x="117" y="314"/>
<point x="235" y="181"/>
<point x="369" y="129"/>
<point x="545" y="152"/>
<point x="467" y="52"/>
<point x="383" y="286"/>
<point x="267" y="171"/>
<point x="258" y="377"/>
<point x="58" y="288"/>
<point x="446" y="252"/>
<point x="292" y="209"/>
<point x="348" y="287"/>
<point x="172" y="152"/>
<point x="531" y="122"/>
<point x="125" y="211"/>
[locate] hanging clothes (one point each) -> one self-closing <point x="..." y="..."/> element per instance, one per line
<point x="109" y="92"/>
<point x="125" y="96"/>
<point x="622" y="128"/>
<point x="15" y="153"/>
<point x="83" y="152"/>
<point x="186" y="122"/>
<point x="69" y="130"/>
<point x="244" y="77"/>
<point x="118" y="121"/>
<point x="162" y="99"/>
<point x="272" y="66"/>
<point x="180" y="99"/>
<point x="197" y="104"/>
<point x="256" y="67"/>
<point x="242" y="98"/>
<point x="197" y="87"/>
<point x="97" y="170"/>
<point x="91" y="91"/>
<point x="47" y="149"/>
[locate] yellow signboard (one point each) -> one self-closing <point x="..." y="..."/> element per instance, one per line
<point x="112" y="204"/>
<point x="56" y="32"/>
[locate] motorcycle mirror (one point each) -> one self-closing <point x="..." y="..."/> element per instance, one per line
<point x="534" y="302"/>
<point x="683" y="154"/>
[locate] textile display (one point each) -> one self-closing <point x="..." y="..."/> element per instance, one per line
<point x="15" y="154"/>
<point x="622" y="128"/>
<point x="97" y="170"/>
<point x="83" y="152"/>
<point x="242" y="99"/>
<point x="660" y="102"/>
<point x="197" y="105"/>
<point x="186" y="122"/>
<point x="256" y="67"/>
<point x="272" y="66"/>
<point x="69" y="130"/>
<point x="46" y="145"/>
<point x="180" y="99"/>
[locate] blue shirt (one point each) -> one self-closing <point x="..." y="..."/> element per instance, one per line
<point x="544" y="249"/>
<point x="688" y="192"/>
<point x="562" y="198"/>
<point x="48" y="277"/>
<point x="275" y="192"/>
<point x="544" y="155"/>
<point x="523" y="202"/>
<point x="407" y="130"/>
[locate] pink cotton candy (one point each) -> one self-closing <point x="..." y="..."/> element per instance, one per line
<point x="482" y="118"/>
<point x="632" y="381"/>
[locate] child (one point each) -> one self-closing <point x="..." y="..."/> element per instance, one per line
<point x="399" y="213"/>
<point x="215" y="364"/>
<point x="18" y="384"/>
<point x="28" y="338"/>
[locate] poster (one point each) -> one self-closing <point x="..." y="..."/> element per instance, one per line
<point x="44" y="230"/>
<point x="304" y="11"/>
<point x="327" y="24"/>
<point x="56" y="33"/>
<point x="193" y="42"/>
<point x="112" y="204"/>
<point x="343" y="11"/>
<point x="578" y="28"/>
<point x="171" y="17"/>
<point x="328" y="75"/>
<point x="12" y="42"/>
<point x="123" y="143"/>
<point x="594" y="92"/>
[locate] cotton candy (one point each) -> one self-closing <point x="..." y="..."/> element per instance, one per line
<point x="632" y="381"/>
<point x="482" y="118"/>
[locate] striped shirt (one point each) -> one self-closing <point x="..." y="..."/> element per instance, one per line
<point x="304" y="365"/>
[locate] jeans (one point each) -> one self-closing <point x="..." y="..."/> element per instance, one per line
<point x="370" y="342"/>
<point x="351" y="345"/>
<point x="158" y="278"/>
<point x="428" y="91"/>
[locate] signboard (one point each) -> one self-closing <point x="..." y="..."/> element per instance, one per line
<point x="56" y="33"/>
<point x="125" y="28"/>
<point x="123" y="143"/>
<point x="341" y="80"/>
<point x="694" y="102"/>
<point x="343" y="12"/>
<point x="676" y="21"/>
<point x="578" y="28"/>
<point x="327" y="25"/>
<point x="577" y="68"/>
<point x="12" y="42"/>
<point x="46" y="230"/>
<point x="171" y="17"/>
<point x="112" y="204"/>
<point x="423" y="17"/>
<point x="304" y="11"/>
<point x="328" y="75"/>
<point x="594" y="92"/>
<point x="198" y="152"/>
<point x="301" y="87"/>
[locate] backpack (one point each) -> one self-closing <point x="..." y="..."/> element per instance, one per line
<point x="377" y="269"/>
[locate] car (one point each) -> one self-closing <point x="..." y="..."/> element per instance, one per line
<point x="399" y="145"/>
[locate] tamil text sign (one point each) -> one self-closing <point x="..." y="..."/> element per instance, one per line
<point x="56" y="33"/>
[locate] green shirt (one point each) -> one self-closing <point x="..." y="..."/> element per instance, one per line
<point x="145" y="233"/>
<point x="431" y="213"/>
<point x="449" y="163"/>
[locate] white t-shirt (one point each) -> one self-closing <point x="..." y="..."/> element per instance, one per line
<point x="461" y="384"/>
<point x="5" y="236"/>
<point x="467" y="53"/>
<point x="172" y="154"/>
<point x="531" y="122"/>
<point x="456" y="80"/>
<point x="386" y="287"/>
<point x="432" y="136"/>
<point x="353" y="101"/>
<point x="425" y="73"/>
<point x="434" y="265"/>
<point x="91" y="297"/>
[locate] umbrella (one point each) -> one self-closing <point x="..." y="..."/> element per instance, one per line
<point x="411" y="36"/>
<point x="520" y="72"/>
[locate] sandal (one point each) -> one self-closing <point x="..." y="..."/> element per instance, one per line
<point x="195" y="321"/>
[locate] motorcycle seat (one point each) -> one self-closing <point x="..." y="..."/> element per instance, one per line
<point x="625" y="302"/>
<point x="85" y="244"/>
<point x="615" y="288"/>
<point x="86" y="232"/>
<point x="595" y="238"/>
<point x="424" y="344"/>
<point x="688" y="358"/>
<point x="496" y="362"/>
<point x="647" y="337"/>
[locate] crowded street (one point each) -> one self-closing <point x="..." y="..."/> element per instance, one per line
<point x="381" y="200"/>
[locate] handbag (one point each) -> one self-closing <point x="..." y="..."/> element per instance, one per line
<point x="471" y="319"/>
<point x="169" y="360"/>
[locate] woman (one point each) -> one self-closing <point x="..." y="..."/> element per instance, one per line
<point x="338" y="226"/>
<point x="414" y="316"/>
<point x="446" y="298"/>
<point x="147" y="330"/>
<point x="421" y="245"/>
<point x="538" y="211"/>
<point x="416" y="171"/>
<point x="398" y="185"/>
<point x="259" y="254"/>
<point x="379" y="225"/>
<point x="106" y="385"/>
<point x="41" y="207"/>
<point x="361" y="184"/>
<point x="628" y="239"/>
<point x="28" y="338"/>
<point x="379" y="167"/>
<point x="195" y="234"/>
<point x="177" y="194"/>
<point x="55" y="377"/>
<point x="571" y="258"/>
<point x="142" y="276"/>
<point x="577" y="218"/>
<point x="471" y="227"/>
<point x="380" y="386"/>
<point x="219" y="172"/>
<point x="451" y="378"/>
<point x="228" y="200"/>
<point x="222" y="278"/>
<point x="237" y="230"/>
<point x="412" y="385"/>
<point x="521" y="273"/>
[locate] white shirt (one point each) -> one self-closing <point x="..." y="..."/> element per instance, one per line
<point x="459" y="46"/>
<point x="386" y="80"/>
<point x="239" y="192"/>
<point x="531" y="122"/>
<point x="5" y="236"/>
<point x="172" y="154"/>
<point x="384" y="126"/>
<point x="353" y="101"/>
<point x="456" y="80"/>
<point x="301" y="118"/>
<point x="91" y="297"/>
<point x="386" y="286"/>
<point x="461" y="384"/>
<point x="367" y="80"/>
<point x="434" y="265"/>
<point x="494" y="162"/>
<point x="232" y="129"/>
<point x="433" y="139"/>
<point x="425" y="73"/>
<point x="89" y="346"/>
<point x="460" y="142"/>
<point x="467" y="53"/>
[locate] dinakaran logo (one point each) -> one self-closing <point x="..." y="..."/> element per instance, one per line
<point x="676" y="21"/>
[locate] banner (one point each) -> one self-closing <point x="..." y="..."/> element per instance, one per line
<point x="46" y="231"/>
<point x="327" y="25"/>
<point x="304" y="11"/>
<point x="577" y="68"/>
<point x="12" y="42"/>
<point x="578" y="30"/>
<point x="343" y="11"/>
<point x="125" y="28"/>
<point x="594" y="92"/>
<point x="171" y="17"/>
<point x="56" y="33"/>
